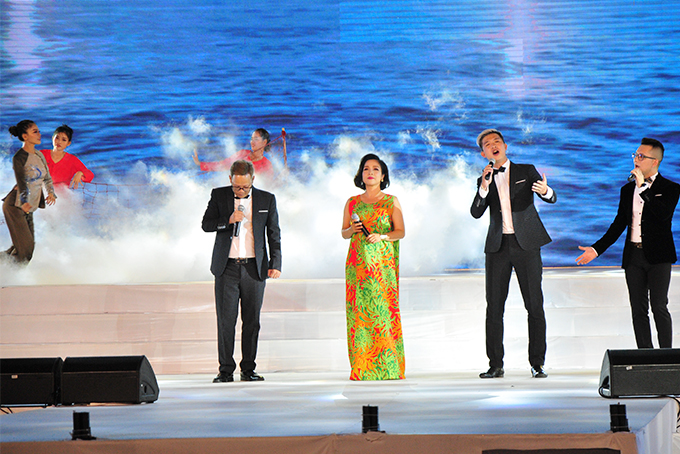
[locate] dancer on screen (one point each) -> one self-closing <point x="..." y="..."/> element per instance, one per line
<point x="259" y="144"/>
<point x="65" y="168"/>
<point x="32" y="176"/>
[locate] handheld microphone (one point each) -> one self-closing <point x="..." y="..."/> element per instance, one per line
<point x="355" y="218"/>
<point x="488" y="175"/>
<point x="237" y="225"/>
<point x="631" y="177"/>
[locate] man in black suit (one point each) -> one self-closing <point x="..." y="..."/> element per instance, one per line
<point x="514" y="240"/>
<point x="646" y="208"/>
<point x="241" y="215"/>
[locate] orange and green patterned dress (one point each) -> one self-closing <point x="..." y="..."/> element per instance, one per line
<point x="374" y="337"/>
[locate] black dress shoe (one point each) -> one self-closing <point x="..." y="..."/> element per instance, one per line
<point x="538" y="372"/>
<point x="251" y="375"/>
<point x="223" y="378"/>
<point x="493" y="372"/>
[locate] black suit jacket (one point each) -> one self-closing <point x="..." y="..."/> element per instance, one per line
<point x="529" y="229"/>
<point x="265" y="219"/>
<point x="657" y="216"/>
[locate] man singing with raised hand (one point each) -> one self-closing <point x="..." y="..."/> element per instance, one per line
<point x="514" y="240"/>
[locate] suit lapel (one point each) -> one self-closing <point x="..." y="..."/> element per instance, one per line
<point x="512" y="181"/>
<point x="230" y="200"/>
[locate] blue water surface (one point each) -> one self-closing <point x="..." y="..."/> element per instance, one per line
<point x="574" y="85"/>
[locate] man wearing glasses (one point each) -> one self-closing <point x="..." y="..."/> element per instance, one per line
<point x="646" y="208"/>
<point x="241" y="215"/>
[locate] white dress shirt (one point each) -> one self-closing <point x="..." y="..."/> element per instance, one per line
<point x="243" y="245"/>
<point x="502" y="180"/>
<point x="638" y="205"/>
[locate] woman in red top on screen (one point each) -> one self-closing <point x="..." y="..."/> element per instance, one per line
<point x="259" y="143"/>
<point x="65" y="168"/>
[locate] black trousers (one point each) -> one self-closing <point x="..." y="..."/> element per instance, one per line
<point x="648" y="284"/>
<point x="528" y="267"/>
<point x="238" y="284"/>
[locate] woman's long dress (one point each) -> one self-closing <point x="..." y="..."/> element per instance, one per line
<point x="374" y="336"/>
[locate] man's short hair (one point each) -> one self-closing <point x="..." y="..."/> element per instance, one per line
<point x="655" y="144"/>
<point x="485" y="133"/>
<point x="242" y="167"/>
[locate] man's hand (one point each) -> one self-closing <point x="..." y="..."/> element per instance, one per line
<point x="236" y="216"/>
<point x="486" y="181"/>
<point x="639" y="177"/>
<point x="540" y="187"/>
<point x="588" y="255"/>
<point x="274" y="274"/>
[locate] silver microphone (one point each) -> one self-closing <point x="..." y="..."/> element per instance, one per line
<point x="237" y="225"/>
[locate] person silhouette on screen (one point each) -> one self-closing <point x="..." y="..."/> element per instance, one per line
<point x="259" y="144"/>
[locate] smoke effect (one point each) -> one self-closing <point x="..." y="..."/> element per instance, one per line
<point x="151" y="232"/>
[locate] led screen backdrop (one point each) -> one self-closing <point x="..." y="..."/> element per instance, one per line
<point x="574" y="86"/>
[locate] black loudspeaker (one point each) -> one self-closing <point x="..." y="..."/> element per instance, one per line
<point x="642" y="372"/>
<point x="30" y="381"/>
<point x="108" y="379"/>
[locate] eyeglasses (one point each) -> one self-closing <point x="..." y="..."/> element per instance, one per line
<point x="242" y="188"/>
<point x="641" y="157"/>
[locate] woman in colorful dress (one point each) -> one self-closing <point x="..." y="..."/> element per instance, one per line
<point x="32" y="175"/>
<point x="374" y="224"/>
<point x="65" y="168"/>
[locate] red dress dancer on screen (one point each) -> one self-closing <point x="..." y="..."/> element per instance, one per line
<point x="259" y="143"/>
<point x="65" y="168"/>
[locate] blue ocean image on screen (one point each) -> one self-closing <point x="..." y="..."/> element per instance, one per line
<point x="574" y="86"/>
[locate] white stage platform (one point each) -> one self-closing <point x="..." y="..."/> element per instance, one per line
<point x="307" y="398"/>
<point x="456" y="410"/>
<point x="303" y="322"/>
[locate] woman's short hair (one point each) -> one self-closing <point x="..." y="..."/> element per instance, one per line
<point x="359" y="181"/>
<point x="265" y="136"/>
<point x="20" y="129"/>
<point x="66" y="130"/>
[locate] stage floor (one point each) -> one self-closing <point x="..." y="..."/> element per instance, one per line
<point x="311" y="404"/>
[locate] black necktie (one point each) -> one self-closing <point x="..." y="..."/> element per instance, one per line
<point x="500" y="169"/>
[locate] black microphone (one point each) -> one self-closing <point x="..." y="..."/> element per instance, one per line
<point x="488" y="175"/>
<point x="355" y="218"/>
<point x="631" y="177"/>
<point x="237" y="225"/>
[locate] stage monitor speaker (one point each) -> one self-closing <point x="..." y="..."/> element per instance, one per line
<point x="641" y="372"/>
<point x="108" y="379"/>
<point x="30" y="381"/>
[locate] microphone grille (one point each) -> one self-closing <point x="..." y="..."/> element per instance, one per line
<point x="355" y="217"/>
<point x="241" y="208"/>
